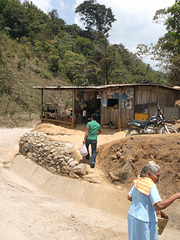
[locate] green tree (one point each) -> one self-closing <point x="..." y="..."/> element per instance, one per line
<point x="26" y="20"/>
<point x="3" y="4"/>
<point x="96" y="16"/>
<point x="167" y="49"/>
<point x="54" y="63"/>
<point x="55" y="24"/>
<point x="83" y="45"/>
<point x="35" y="23"/>
<point x="171" y="42"/>
<point x="13" y="13"/>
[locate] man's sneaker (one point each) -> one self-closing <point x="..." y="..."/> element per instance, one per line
<point x="87" y="157"/>
<point x="92" y="165"/>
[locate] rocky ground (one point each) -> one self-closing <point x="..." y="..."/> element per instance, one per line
<point x="122" y="160"/>
<point x="28" y="213"/>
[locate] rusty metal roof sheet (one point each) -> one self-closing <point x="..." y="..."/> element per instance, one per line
<point x="59" y="87"/>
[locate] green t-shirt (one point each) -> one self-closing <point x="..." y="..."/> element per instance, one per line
<point x="94" y="127"/>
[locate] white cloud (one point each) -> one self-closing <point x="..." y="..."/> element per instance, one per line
<point x="62" y="5"/>
<point x="134" y="23"/>
<point x="45" y="6"/>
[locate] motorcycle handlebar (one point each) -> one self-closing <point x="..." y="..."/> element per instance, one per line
<point x="158" y="108"/>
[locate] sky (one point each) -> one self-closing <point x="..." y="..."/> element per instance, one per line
<point x="134" y="23"/>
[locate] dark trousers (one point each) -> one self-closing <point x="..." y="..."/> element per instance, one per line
<point x="83" y="120"/>
<point x="93" y="144"/>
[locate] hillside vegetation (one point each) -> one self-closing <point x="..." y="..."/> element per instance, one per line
<point x="41" y="49"/>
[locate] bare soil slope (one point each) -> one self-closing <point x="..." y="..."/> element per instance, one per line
<point x="137" y="151"/>
<point x="121" y="159"/>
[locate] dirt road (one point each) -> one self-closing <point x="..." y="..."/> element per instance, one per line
<point x="27" y="213"/>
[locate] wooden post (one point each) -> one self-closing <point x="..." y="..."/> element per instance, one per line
<point x="95" y="101"/>
<point x="41" y="104"/>
<point x="134" y="100"/>
<point x="119" y="109"/>
<point x="73" y="108"/>
<point x="157" y="95"/>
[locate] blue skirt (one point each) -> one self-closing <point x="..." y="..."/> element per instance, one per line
<point x="139" y="230"/>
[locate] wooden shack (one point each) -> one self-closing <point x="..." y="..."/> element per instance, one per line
<point x="115" y="104"/>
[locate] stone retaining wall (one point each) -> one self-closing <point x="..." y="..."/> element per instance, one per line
<point x="55" y="156"/>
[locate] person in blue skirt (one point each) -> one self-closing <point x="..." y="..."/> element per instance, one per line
<point x="142" y="217"/>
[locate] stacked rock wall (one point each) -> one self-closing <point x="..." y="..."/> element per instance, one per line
<point x="55" y="156"/>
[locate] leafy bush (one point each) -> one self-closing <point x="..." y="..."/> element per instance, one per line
<point x="21" y="63"/>
<point x="37" y="70"/>
<point x="46" y="75"/>
<point x="54" y="63"/>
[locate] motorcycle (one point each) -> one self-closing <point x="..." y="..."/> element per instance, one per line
<point x="155" y="125"/>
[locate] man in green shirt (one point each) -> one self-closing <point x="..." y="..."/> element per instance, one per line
<point x="93" y="129"/>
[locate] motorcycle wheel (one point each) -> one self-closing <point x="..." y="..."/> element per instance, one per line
<point x="132" y="132"/>
<point x="170" y="129"/>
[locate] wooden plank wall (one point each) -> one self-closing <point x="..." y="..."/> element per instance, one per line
<point x="142" y="95"/>
<point x="109" y="114"/>
<point x="145" y="95"/>
<point x="152" y="94"/>
<point x="167" y="97"/>
<point x="126" y="115"/>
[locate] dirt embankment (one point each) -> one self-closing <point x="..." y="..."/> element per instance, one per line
<point x="129" y="155"/>
<point x="120" y="160"/>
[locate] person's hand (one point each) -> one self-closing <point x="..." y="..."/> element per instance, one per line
<point x="84" y="141"/>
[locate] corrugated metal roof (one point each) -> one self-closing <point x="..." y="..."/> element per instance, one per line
<point x="59" y="87"/>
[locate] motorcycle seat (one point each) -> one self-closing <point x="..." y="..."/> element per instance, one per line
<point x="141" y="124"/>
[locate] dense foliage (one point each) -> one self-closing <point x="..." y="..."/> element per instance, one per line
<point x="171" y="42"/>
<point x="167" y="49"/>
<point x="96" y="16"/>
<point x="82" y="57"/>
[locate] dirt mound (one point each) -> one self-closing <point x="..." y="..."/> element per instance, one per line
<point x="122" y="160"/>
<point x="52" y="129"/>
